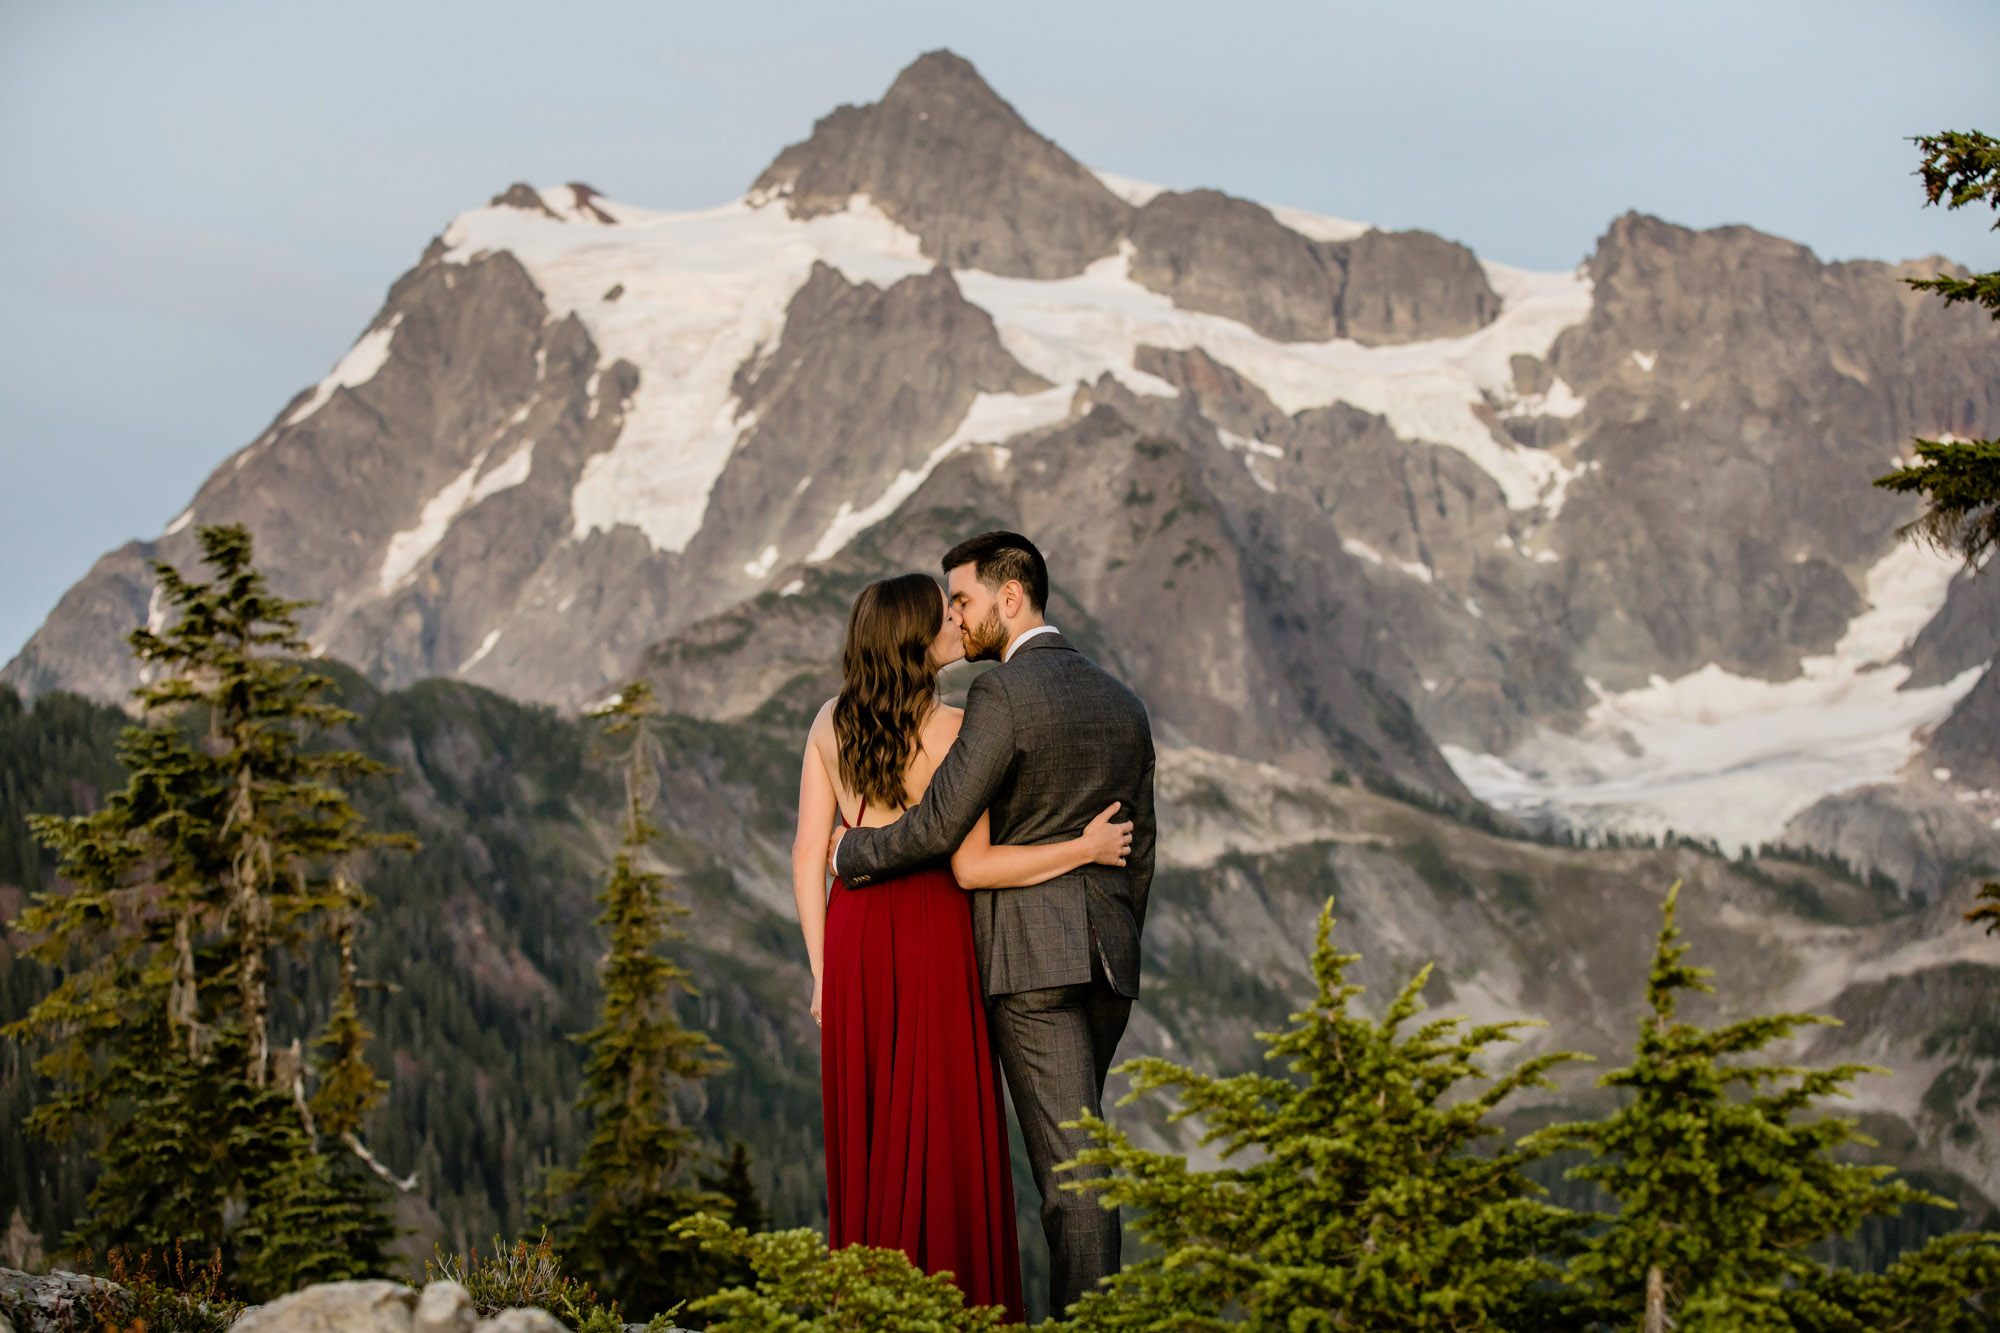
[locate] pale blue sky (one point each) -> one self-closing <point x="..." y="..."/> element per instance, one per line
<point x="202" y="204"/>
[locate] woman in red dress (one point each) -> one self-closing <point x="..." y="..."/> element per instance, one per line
<point x="916" y="1140"/>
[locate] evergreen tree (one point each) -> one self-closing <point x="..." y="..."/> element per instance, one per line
<point x="733" y="1182"/>
<point x="1959" y="478"/>
<point x="1362" y="1204"/>
<point x="220" y="851"/>
<point x="634" y="1180"/>
<point x="1725" y="1180"/>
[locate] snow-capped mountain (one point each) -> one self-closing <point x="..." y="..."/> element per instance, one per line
<point x="1595" y="546"/>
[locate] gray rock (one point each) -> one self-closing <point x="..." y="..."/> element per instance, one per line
<point x="862" y="386"/>
<point x="335" y="1307"/>
<point x="1207" y="251"/>
<point x="1402" y="286"/>
<point x="1915" y="832"/>
<point x="526" y="197"/>
<point x="1968" y="743"/>
<point x="945" y="157"/>
<point x="1966" y="633"/>
<point x="1731" y="518"/>
<point x="444" y="1307"/>
<point x="521" y="1321"/>
<point x="52" y="1302"/>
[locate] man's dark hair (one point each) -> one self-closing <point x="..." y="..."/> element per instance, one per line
<point x="997" y="557"/>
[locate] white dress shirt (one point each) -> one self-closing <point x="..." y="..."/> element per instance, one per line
<point x="1006" y="656"/>
<point x="1015" y="646"/>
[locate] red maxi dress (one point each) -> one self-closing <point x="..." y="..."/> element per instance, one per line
<point x="916" y="1140"/>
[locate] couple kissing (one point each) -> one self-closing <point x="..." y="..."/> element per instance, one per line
<point x="991" y="870"/>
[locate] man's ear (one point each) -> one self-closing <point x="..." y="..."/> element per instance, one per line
<point x="1012" y="599"/>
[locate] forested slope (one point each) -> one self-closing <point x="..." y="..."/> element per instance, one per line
<point x="485" y="944"/>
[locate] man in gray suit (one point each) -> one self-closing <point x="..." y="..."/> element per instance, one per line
<point x="1049" y="740"/>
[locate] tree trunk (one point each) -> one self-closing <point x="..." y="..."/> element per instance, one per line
<point x="1656" y="1300"/>
<point x="252" y="912"/>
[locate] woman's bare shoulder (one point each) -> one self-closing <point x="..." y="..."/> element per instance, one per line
<point x="820" y="735"/>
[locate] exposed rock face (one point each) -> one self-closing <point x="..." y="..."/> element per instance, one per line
<point x="55" y="1302"/>
<point x="1964" y="633"/>
<point x="523" y="195"/>
<point x="1964" y="744"/>
<point x="944" y="156"/>
<point x="1741" y="396"/>
<point x="1149" y="576"/>
<point x="1913" y="832"/>
<point x="1208" y="251"/>
<point x="862" y="386"/>
<point x="1405" y="285"/>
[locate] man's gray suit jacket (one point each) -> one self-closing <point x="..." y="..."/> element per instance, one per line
<point x="1050" y="739"/>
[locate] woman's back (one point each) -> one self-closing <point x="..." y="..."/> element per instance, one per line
<point x="934" y="737"/>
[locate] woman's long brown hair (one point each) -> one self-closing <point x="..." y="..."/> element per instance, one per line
<point x="888" y="685"/>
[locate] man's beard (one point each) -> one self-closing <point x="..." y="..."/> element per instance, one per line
<point x="985" y="642"/>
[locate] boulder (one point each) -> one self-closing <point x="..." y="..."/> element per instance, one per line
<point x="444" y="1307"/>
<point x="46" y="1302"/>
<point x="521" y="1321"/>
<point x="336" y="1307"/>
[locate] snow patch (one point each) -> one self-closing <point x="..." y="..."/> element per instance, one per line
<point x="706" y="291"/>
<point x="991" y="418"/>
<point x="179" y="524"/>
<point x="1318" y="226"/>
<point x="1231" y="440"/>
<point x="1079" y="328"/>
<point x="1645" y="360"/>
<point x="792" y="589"/>
<point x="1733" y="757"/>
<point x="703" y="291"/>
<point x="479" y="655"/>
<point x="1558" y="400"/>
<point x="1252" y="450"/>
<point x="761" y="566"/>
<point x="1135" y="192"/>
<point x="408" y="548"/>
<point x="368" y="355"/>
<point x="1420" y="572"/>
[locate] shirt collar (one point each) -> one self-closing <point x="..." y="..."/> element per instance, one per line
<point x="1015" y="646"/>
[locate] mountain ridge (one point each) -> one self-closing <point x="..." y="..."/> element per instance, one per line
<point x="1513" y="541"/>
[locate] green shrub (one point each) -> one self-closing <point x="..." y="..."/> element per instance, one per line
<point x="530" y="1275"/>
<point x="802" y="1287"/>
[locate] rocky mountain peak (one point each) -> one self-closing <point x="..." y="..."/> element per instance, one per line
<point x="948" y="159"/>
